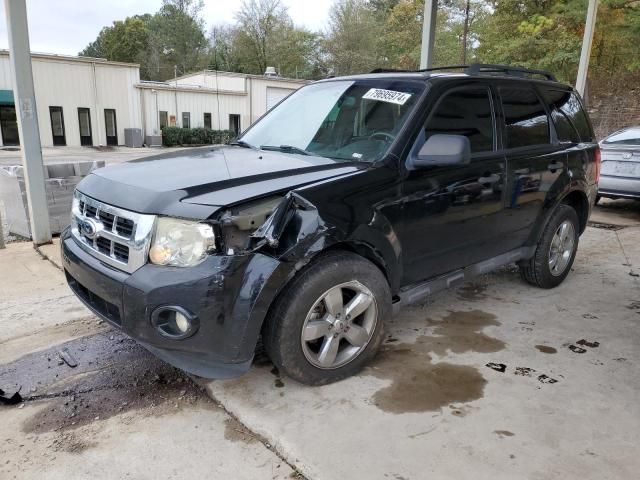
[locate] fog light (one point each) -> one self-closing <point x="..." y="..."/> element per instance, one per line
<point x="182" y="322"/>
<point x="174" y="322"/>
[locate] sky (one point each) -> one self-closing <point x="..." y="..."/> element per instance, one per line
<point x="67" y="26"/>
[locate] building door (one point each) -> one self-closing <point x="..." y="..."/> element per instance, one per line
<point x="275" y="95"/>
<point x="111" y="126"/>
<point x="9" y="125"/>
<point x="207" y="121"/>
<point x="84" y="122"/>
<point x="57" y="126"/>
<point x="234" y="124"/>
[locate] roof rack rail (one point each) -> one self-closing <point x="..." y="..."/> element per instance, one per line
<point x="479" y="68"/>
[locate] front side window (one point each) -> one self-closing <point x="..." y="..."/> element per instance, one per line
<point x="464" y="112"/>
<point x="525" y="118"/>
<point x="343" y="119"/>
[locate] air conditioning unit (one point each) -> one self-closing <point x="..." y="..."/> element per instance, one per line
<point x="133" y="137"/>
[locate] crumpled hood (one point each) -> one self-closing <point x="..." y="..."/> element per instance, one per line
<point x="207" y="177"/>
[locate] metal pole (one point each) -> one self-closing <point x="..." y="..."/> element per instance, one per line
<point x="428" y="33"/>
<point x="27" y="115"/>
<point x="587" y="41"/>
<point x="1" y="233"/>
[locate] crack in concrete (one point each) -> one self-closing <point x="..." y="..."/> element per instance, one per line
<point x="272" y="448"/>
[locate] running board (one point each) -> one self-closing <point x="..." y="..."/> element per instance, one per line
<point x="417" y="292"/>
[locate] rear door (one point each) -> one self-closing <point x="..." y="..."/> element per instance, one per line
<point x="535" y="158"/>
<point x="453" y="214"/>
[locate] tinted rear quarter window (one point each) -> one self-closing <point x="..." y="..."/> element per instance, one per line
<point x="525" y="118"/>
<point x="464" y="112"/>
<point x="563" y="111"/>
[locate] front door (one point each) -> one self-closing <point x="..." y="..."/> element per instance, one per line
<point x="84" y="123"/>
<point x="453" y="214"/>
<point x="57" y="126"/>
<point x="111" y="126"/>
<point x="9" y="125"/>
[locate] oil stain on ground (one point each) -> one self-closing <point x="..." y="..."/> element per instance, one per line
<point x="472" y="291"/>
<point x="234" y="431"/>
<point x="546" y="349"/>
<point x="419" y="384"/>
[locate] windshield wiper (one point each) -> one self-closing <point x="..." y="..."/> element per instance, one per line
<point x="285" y="149"/>
<point x="241" y="143"/>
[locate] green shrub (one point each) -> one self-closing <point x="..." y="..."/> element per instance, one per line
<point x="172" y="136"/>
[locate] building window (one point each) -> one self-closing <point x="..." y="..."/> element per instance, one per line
<point x="207" y="121"/>
<point x="57" y="126"/>
<point x="164" y="119"/>
<point x="111" y="127"/>
<point x="234" y="124"/>
<point x="84" y="122"/>
<point x="186" y="120"/>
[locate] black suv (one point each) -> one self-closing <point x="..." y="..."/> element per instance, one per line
<point x="350" y="198"/>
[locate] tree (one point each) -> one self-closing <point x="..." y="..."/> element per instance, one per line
<point x="353" y="41"/>
<point x="177" y="38"/>
<point x="265" y="36"/>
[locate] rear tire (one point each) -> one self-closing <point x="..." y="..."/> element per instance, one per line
<point x="555" y="251"/>
<point x="328" y="323"/>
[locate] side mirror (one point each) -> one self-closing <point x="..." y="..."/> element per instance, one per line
<point x="443" y="150"/>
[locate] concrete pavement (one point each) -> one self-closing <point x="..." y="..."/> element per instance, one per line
<point x="496" y="380"/>
<point x="120" y="413"/>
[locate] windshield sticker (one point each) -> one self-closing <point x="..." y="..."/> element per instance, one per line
<point x="356" y="155"/>
<point x="391" y="96"/>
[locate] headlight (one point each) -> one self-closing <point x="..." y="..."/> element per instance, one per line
<point x="180" y="243"/>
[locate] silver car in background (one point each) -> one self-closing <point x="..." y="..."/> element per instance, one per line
<point x="620" y="174"/>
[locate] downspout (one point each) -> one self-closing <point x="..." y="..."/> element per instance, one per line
<point x="95" y="104"/>
<point x="250" y="92"/>
<point x="144" y="116"/>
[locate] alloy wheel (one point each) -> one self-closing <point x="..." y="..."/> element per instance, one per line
<point x="339" y="325"/>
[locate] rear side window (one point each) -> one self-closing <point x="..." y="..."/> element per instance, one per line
<point x="525" y="118"/>
<point x="464" y="112"/>
<point x="568" y="115"/>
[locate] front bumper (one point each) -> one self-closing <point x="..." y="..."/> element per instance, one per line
<point x="229" y="295"/>
<point x="619" y="186"/>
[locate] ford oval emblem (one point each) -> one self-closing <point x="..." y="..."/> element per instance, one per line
<point x="88" y="228"/>
<point x="626" y="156"/>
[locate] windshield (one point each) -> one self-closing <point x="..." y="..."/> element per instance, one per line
<point x="345" y="120"/>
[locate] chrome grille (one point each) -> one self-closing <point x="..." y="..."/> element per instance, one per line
<point x="115" y="236"/>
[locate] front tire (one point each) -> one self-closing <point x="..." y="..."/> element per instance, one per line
<point x="328" y="323"/>
<point x="555" y="251"/>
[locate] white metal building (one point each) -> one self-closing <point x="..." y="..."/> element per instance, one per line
<point x="84" y="101"/>
<point x="217" y="100"/>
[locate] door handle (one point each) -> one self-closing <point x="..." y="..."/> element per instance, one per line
<point x="552" y="167"/>
<point x="492" y="178"/>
